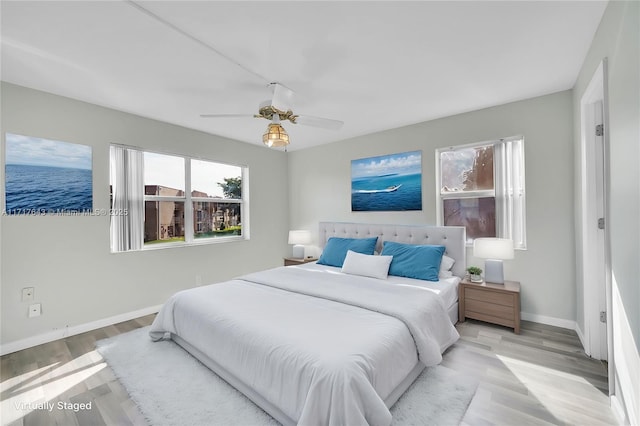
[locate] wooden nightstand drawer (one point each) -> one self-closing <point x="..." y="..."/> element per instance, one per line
<point x="507" y="322"/>
<point x="488" y="308"/>
<point x="489" y="296"/>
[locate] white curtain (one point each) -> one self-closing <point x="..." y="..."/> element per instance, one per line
<point x="127" y="186"/>
<point x="509" y="189"/>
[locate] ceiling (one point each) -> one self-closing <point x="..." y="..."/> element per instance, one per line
<point x="374" y="65"/>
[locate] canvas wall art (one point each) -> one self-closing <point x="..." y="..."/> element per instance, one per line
<point x="387" y="183"/>
<point x="45" y="176"/>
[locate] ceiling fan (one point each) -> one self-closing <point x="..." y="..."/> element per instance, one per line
<point x="278" y="109"/>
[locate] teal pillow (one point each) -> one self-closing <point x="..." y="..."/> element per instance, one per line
<point x="336" y="249"/>
<point x="414" y="261"/>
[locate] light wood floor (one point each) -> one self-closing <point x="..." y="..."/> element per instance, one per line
<point x="539" y="377"/>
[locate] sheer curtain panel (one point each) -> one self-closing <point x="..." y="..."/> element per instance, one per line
<point x="127" y="197"/>
<point x="510" y="192"/>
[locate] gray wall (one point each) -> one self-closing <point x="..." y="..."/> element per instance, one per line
<point x="618" y="39"/>
<point x="68" y="260"/>
<point x="320" y="190"/>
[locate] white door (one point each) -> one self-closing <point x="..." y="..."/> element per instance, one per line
<point x="594" y="252"/>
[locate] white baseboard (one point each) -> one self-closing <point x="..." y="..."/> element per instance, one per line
<point x="580" y="335"/>
<point x="30" y="342"/>
<point x="557" y="322"/>
<point x="618" y="410"/>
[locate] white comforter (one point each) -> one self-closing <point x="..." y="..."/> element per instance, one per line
<point x="324" y="348"/>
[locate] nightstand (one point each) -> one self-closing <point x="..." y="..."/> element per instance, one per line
<point x="494" y="303"/>
<point x="290" y="261"/>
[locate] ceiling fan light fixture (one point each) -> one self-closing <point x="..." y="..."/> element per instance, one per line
<point x="275" y="136"/>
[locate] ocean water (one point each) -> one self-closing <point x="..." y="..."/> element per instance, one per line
<point x="407" y="197"/>
<point x="44" y="189"/>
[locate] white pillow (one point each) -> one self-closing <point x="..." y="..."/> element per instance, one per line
<point x="445" y="267"/>
<point x="366" y="265"/>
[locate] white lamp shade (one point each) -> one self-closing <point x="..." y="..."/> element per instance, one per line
<point x="299" y="237"/>
<point x="493" y="248"/>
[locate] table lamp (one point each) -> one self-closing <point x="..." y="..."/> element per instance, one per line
<point x="299" y="238"/>
<point x="494" y="251"/>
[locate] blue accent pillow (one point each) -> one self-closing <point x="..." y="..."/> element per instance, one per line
<point x="414" y="261"/>
<point x="336" y="249"/>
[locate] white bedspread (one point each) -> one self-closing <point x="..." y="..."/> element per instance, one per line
<point x="324" y="348"/>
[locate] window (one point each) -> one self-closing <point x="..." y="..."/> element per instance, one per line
<point x="164" y="198"/>
<point x="171" y="200"/>
<point x="481" y="187"/>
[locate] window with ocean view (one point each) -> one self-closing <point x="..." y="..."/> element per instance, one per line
<point x="173" y="200"/>
<point x="481" y="187"/>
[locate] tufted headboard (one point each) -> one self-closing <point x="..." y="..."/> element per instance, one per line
<point x="452" y="237"/>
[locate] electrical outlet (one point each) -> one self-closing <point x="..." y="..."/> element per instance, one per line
<point x="35" y="310"/>
<point x="27" y="294"/>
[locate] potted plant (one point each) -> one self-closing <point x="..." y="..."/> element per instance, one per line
<point x="475" y="274"/>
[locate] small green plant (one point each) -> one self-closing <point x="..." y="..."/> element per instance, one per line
<point x="474" y="270"/>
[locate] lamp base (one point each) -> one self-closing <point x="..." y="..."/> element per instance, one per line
<point x="493" y="272"/>
<point x="298" y="251"/>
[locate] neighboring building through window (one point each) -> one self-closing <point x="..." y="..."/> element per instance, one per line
<point x="481" y="187"/>
<point x="173" y="200"/>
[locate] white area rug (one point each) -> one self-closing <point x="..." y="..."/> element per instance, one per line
<point x="173" y="388"/>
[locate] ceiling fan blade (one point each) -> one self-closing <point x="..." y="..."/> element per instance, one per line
<point x="226" y="115"/>
<point x="282" y="97"/>
<point x="325" y="123"/>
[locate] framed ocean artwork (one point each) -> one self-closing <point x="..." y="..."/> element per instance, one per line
<point x="44" y="176"/>
<point x="387" y="183"/>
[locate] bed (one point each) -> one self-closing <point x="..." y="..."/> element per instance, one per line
<point x="313" y="345"/>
